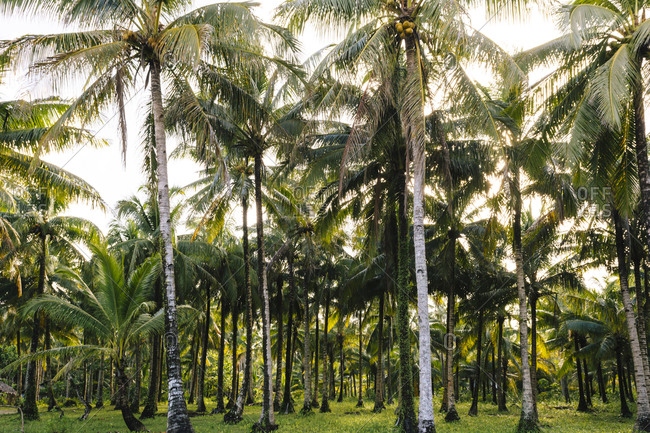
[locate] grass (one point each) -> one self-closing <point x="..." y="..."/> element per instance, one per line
<point x="345" y="418"/>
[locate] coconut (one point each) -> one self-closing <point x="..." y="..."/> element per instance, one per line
<point x="399" y="27"/>
<point x="409" y="31"/>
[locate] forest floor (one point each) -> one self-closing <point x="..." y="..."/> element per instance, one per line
<point x="345" y="418"/>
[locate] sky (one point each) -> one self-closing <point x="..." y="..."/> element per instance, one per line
<point x="103" y="167"/>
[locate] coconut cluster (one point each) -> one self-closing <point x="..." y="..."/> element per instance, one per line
<point x="404" y="28"/>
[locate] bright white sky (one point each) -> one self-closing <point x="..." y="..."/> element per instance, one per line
<point x="103" y="168"/>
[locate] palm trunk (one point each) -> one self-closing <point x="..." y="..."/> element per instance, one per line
<point x="234" y="315"/>
<point x="132" y="423"/>
<point x="48" y="366"/>
<point x="150" y="406"/>
<point x="473" y="410"/>
<point x="640" y="315"/>
<point x="644" y="186"/>
<point x="625" y="410"/>
<point x="315" y="377"/>
<point x="155" y="360"/>
<point x="306" y="356"/>
<point x="100" y="384"/>
<point x="325" y="406"/>
<point x="177" y="418"/>
<point x="194" y="365"/>
<point x="533" y="344"/>
<point x="528" y="419"/>
<point x="582" y="404"/>
<point x="406" y="411"/>
<point x="493" y="381"/>
<point x="450" y="340"/>
<point x="601" y="383"/>
<point x="341" y="356"/>
<point x="287" y="401"/>
<point x="19" y="379"/>
<point x="135" y="404"/>
<point x="643" y="407"/>
<point x="360" y="397"/>
<point x="30" y="409"/>
<point x="389" y="376"/>
<point x="280" y="342"/>
<point x="502" y="362"/>
<point x="200" y="403"/>
<point x="588" y="390"/>
<point x="379" y="383"/>
<point x="267" y="417"/>
<point x="426" y="422"/>
<point x="222" y="354"/>
<point x="235" y="414"/>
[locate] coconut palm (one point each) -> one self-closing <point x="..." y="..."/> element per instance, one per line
<point x="117" y="310"/>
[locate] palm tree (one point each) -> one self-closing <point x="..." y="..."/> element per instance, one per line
<point x="116" y="310"/>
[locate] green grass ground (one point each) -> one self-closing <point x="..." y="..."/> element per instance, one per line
<point x="345" y="418"/>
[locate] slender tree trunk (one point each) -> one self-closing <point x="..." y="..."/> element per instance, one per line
<point x="533" y="344"/>
<point x="625" y="410"/>
<point x="450" y="341"/>
<point x="287" y="401"/>
<point x="360" y="397"/>
<point x="502" y="364"/>
<point x="194" y="365"/>
<point x="222" y="354"/>
<point x="582" y="404"/>
<point x="406" y="411"/>
<point x="151" y="402"/>
<point x="177" y="418"/>
<point x="315" y="377"/>
<point x="200" y="403"/>
<point x="194" y="354"/>
<point x="528" y="419"/>
<point x="235" y="414"/>
<point x="280" y="341"/>
<point x="564" y="384"/>
<point x="235" y="375"/>
<point x="602" y="389"/>
<point x="48" y="367"/>
<point x="100" y="384"/>
<point x="640" y="316"/>
<point x="379" y="383"/>
<point x="644" y="186"/>
<point x="306" y="355"/>
<point x="445" y="361"/>
<point x="473" y="410"/>
<point x="426" y="422"/>
<point x="30" y="409"/>
<point x="643" y="407"/>
<point x="132" y="423"/>
<point x="389" y="375"/>
<point x="588" y="390"/>
<point x="267" y="417"/>
<point x="341" y="355"/>
<point x="135" y="404"/>
<point x="494" y="379"/>
<point x="19" y="380"/>
<point x="324" y="405"/>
